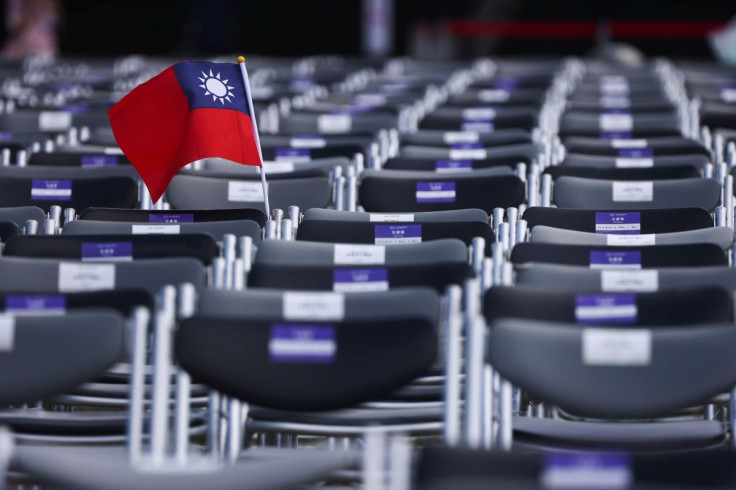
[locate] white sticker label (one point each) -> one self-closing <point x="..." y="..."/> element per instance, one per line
<point x="452" y="137"/>
<point x="629" y="280"/>
<point x="86" y="277"/>
<point x="334" y="123"/>
<point x="155" y="229"/>
<point x="244" y="191"/>
<point x="278" y="167"/>
<point x="113" y="151"/>
<point x="479" y="113"/>
<point x="633" y="191"/>
<point x="494" y="95"/>
<point x="728" y="94"/>
<point x="634" y="162"/>
<point x="297" y="142"/>
<point x="630" y="240"/>
<point x="617" y="347"/>
<point x="7" y="332"/>
<point x="615" y="101"/>
<point x="54" y="120"/>
<point x="359" y="254"/>
<point x="392" y="218"/>
<point x="468" y="153"/>
<point x="616" y="122"/>
<point x="313" y="306"/>
<point x="632" y="143"/>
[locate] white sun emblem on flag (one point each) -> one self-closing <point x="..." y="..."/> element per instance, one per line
<point x="216" y="87"/>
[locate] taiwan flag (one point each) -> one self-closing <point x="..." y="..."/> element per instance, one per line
<point x="190" y="111"/>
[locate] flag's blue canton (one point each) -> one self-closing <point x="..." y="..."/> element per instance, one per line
<point x="212" y="85"/>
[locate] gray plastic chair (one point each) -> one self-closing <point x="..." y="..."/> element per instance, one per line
<point x="63" y="172"/>
<point x="597" y="161"/>
<point x="221" y="165"/>
<point x="195" y="192"/>
<point x="216" y="229"/>
<point x="325" y="254"/>
<point x="456" y="215"/>
<point x="578" y="370"/>
<point x="529" y="150"/>
<point x="19" y="215"/>
<point x="44" y="275"/>
<point x="576" y="192"/>
<point x="722" y="236"/>
<point x="596" y="280"/>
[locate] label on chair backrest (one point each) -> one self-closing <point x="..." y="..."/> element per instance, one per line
<point x="155" y="229"/>
<point x="86" y="277"/>
<point x="615" y="101"/>
<point x="360" y="280"/>
<point x="630" y="240"/>
<point x="633" y="191"/>
<point x="629" y="143"/>
<point x="601" y="259"/>
<point x="467" y="151"/>
<point x="616" y="122"/>
<point x="302" y="343"/>
<point x="397" y="234"/>
<point x="453" y="137"/>
<point x="479" y="126"/>
<point x="617" y="347"/>
<point x="35" y="304"/>
<point x="494" y="95"/>
<point x="589" y="471"/>
<point x="479" y="113"/>
<point x="107" y="252"/>
<point x="170" y="218"/>
<point x="244" y="191"/>
<point x="51" y="190"/>
<point x="728" y="95"/>
<point x="445" y="166"/>
<point x="345" y="254"/>
<point x="54" y="120"/>
<point x="307" y="141"/>
<point x="605" y="308"/>
<point x="293" y="155"/>
<point x="278" y="167"/>
<point x="635" y="158"/>
<point x="313" y="306"/>
<point x="634" y="281"/>
<point x="7" y="333"/>
<point x="334" y="123"/>
<point x="623" y="223"/>
<point x="435" y="192"/>
<point x="94" y="161"/>
<point x="614" y="85"/>
<point x="391" y="218"/>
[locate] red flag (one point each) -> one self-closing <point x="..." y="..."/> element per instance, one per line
<point x="190" y="111"/>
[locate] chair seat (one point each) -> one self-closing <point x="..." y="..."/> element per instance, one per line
<point x="349" y="417"/>
<point x="645" y="437"/>
<point x="108" y="468"/>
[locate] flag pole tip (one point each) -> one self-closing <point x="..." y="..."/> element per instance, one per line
<point x="241" y="59"/>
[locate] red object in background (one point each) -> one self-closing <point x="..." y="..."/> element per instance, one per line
<point x="190" y="111"/>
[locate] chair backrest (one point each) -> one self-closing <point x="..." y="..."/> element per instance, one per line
<point x="189" y="191"/>
<point x="721" y="236"/>
<point x="47" y="355"/>
<point x="306" y="122"/>
<point x="114" y="192"/>
<point x="501" y="137"/>
<point x="671" y="307"/>
<point x="524" y="152"/>
<point x="349" y="227"/>
<point x="575" y="192"/>
<point x="403" y="191"/>
<point x="605" y="257"/>
<point x="113" y="248"/>
<point x="215" y="229"/>
<point x="179" y="216"/>
<point x="8" y="229"/>
<point x="636" y="158"/>
<point x="586" y="279"/>
<point x="46" y="275"/>
<point x="609" y="221"/>
<point x="290" y="361"/>
<point x="281" y="166"/>
<point x="77" y="159"/>
<point x="123" y="300"/>
<point x="615" y="373"/>
<point x="622" y="174"/>
<point x="659" y="146"/>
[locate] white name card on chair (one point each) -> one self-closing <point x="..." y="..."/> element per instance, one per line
<point x="630" y="240"/>
<point x="617" y="347"/>
<point x="392" y="218"/>
<point x="629" y="280"/>
<point x="359" y="254"/>
<point x="633" y="191"/>
<point x="313" y="306"/>
<point x="334" y="123"/>
<point x="7" y="332"/>
<point x="244" y="191"/>
<point x="86" y="277"/>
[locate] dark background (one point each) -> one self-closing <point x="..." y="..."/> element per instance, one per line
<point x="293" y="27"/>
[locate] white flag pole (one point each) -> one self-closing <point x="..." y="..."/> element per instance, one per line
<point x="244" y="72"/>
